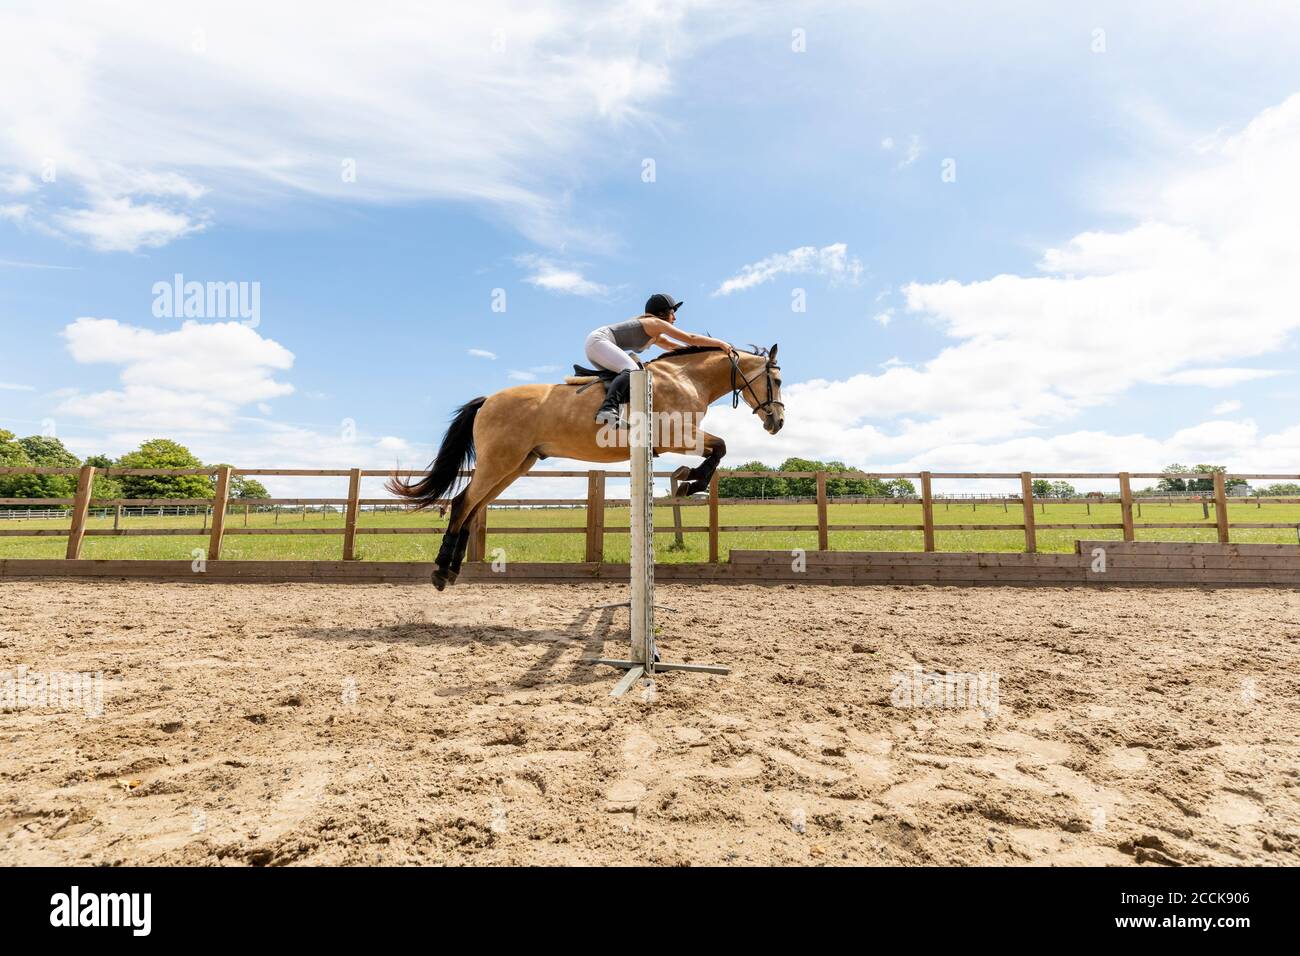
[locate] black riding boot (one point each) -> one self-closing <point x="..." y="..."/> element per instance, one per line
<point x="616" y="393"/>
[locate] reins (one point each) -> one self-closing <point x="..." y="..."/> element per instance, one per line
<point x="747" y="385"/>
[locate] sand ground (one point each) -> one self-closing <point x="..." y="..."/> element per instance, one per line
<point x="308" y="724"/>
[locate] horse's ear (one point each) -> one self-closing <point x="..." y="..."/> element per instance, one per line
<point x="771" y="354"/>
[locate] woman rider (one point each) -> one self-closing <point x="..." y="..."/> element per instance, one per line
<point x="609" y="345"/>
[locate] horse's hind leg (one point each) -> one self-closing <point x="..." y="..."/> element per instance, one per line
<point x="489" y="480"/>
<point x="450" y="541"/>
<point x="463" y="544"/>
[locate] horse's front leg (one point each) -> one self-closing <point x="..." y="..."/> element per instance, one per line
<point x="692" y="480"/>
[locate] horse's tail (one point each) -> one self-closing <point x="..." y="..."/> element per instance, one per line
<point x="454" y="454"/>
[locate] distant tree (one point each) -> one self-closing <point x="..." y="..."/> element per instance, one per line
<point x="41" y="451"/>
<point x="1206" y="485"/>
<point x="1042" y="488"/>
<point x="774" y="487"/>
<point x="801" y="487"/>
<point x="1171" y="482"/>
<point x="14" y="455"/>
<point x="104" y="486"/>
<point x="839" y="483"/>
<point x="1063" y="489"/>
<point x="900" y="488"/>
<point x="1285" y="489"/>
<point x="163" y="453"/>
<point x="240" y="486"/>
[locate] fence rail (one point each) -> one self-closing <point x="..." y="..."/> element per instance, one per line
<point x="595" y="502"/>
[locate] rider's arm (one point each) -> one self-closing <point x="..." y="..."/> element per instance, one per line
<point x="668" y="336"/>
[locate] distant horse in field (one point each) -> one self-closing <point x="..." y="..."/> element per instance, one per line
<point x="511" y="430"/>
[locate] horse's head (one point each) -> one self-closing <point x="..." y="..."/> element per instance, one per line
<point x="759" y="384"/>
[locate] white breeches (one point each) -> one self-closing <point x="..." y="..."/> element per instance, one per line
<point x="604" y="353"/>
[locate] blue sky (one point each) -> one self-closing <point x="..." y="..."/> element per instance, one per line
<point x="1105" y="277"/>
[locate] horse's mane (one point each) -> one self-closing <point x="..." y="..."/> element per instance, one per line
<point x="694" y="349"/>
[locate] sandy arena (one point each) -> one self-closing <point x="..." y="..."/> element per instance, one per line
<point x="305" y="724"/>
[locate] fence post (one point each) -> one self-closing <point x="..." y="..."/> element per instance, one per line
<point x="595" y="516"/>
<point x="478" y="536"/>
<point x="1221" y="506"/>
<point x="1126" y="505"/>
<point x="219" y="514"/>
<point x="1027" y="498"/>
<point x="678" y="540"/>
<point x="713" y="519"/>
<point x="823" y="531"/>
<point x="927" y="510"/>
<point x="80" y="505"/>
<point x="350" y="519"/>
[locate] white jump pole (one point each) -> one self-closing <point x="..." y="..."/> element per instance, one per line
<point x="640" y="437"/>
<point x="642" y="516"/>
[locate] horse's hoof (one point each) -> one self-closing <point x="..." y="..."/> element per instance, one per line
<point x="688" y="489"/>
<point x="452" y="576"/>
<point x="439" y="578"/>
<point x="682" y="473"/>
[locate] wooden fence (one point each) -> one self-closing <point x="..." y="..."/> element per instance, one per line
<point x="594" y="530"/>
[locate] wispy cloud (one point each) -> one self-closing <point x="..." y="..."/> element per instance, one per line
<point x="1218" y="377"/>
<point x="481" y="353"/>
<point x="531" y="374"/>
<point x="1227" y="408"/>
<point x="555" y="82"/>
<point x="910" y="155"/>
<point x="554" y="277"/>
<point x="14" y="264"/>
<point x="14" y="387"/>
<point x="832" y="261"/>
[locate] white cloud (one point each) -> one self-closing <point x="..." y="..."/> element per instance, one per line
<point x="13" y="387"/>
<point x="507" y="95"/>
<point x="1226" y="408"/>
<point x="832" y="261"/>
<point x="1206" y="281"/>
<point x="517" y="375"/>
<point x="966" y="447"/>
<point x="17" y="183"/>
<point x="196" y="377"/>
<point x="885" y="317"/>
<point x="1218" y="377"/>
<point x="913" y="152"/>
<point x="120" y="225"/>
<point x="481" y="353"/>
<point x="552" y="277"/>
<point x="887" y="143"/>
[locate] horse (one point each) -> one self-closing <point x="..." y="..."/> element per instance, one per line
<point x="508" y="432"/>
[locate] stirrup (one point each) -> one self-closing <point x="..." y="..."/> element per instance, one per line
<point x="610" y="416"/>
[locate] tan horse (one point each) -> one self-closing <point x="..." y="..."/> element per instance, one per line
<point x="513" y="429"/>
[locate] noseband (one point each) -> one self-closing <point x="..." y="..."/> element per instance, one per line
<point x="747" y="385"/>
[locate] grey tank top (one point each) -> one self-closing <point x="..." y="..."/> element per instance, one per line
<point x="630" y="335"/>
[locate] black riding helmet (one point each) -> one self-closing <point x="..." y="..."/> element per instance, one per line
<point x="661" y="304"/>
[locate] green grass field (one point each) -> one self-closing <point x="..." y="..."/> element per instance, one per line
<point x="570" y="547"/>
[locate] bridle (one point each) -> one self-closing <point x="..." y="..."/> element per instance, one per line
<point x="747" y="385"/>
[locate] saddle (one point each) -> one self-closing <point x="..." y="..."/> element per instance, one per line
<point x="584" y="377"/>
